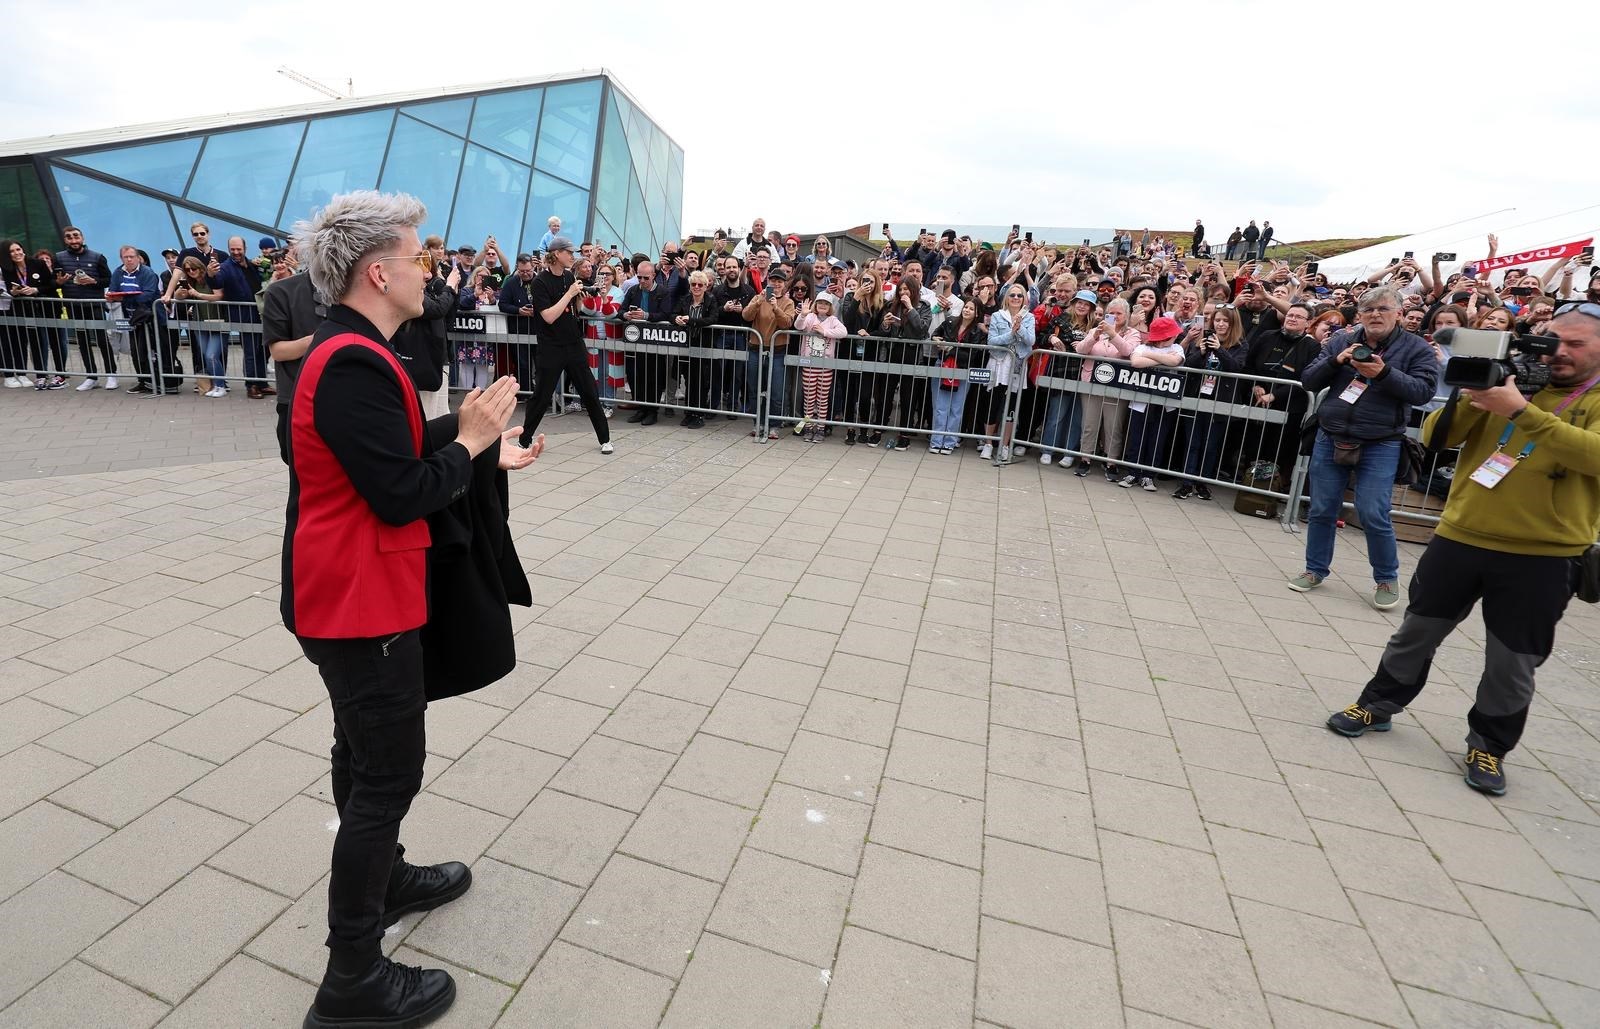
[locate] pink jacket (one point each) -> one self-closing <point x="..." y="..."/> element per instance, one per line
<point x="1097" y="344"/>
<point x="819" y="334"/>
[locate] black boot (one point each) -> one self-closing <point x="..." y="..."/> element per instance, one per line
<point x="422" y="887"/>
<point x="381" y="993"/>
<point x="650" y="417"/>
<point x="638" y="416"/>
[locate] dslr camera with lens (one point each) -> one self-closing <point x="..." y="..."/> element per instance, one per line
<point x="1483" y="358"/>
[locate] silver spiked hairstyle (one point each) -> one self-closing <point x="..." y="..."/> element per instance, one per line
<point x="336" y="238"/>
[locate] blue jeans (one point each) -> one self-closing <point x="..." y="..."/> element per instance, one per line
<point x="602" y="376"/>
<point x="1206" y="438"/>
<point x="753" y="385"/>
<point x="213" y="348"/>
<point x="1374" y="483"/>
<point x="1063" y="422"/>
<point x="947" y="407"/>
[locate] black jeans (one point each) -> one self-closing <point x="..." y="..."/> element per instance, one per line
<point x="378" y="739"/>
<point x="1523" y="598"/>
<point x="580" y="378"/>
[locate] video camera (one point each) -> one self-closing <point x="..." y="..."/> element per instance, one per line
<point x="1483" y="358"/>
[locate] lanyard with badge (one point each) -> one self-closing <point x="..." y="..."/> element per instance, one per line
<point x="1499" y="464"/>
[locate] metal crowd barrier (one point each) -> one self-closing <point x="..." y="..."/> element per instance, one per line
<point x="882" y="387"/>
<point x="1194" y="427"/>
<point x="79" y="339"/>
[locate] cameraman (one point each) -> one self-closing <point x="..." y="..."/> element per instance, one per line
<point x="1508" y="534"/>
<point x="1375" y="374"/>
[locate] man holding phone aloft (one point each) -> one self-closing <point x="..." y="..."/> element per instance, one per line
<point x="553" y="296"/>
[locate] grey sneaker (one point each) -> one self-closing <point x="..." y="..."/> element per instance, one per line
<point x="1386" y="595"/>
<point x="1305" y="582"/>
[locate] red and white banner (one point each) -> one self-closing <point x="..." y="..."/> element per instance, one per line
<point x="1554" y="253"/>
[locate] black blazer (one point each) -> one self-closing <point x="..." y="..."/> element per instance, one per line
<point x="34" y="274"/>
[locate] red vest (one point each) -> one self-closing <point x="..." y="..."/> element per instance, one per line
<point x="354" y="576"/>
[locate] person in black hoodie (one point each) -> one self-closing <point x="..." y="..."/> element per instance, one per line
<point x="729" y="294"/>
<point x="1279" y="354"/>
<point x="864" y="311"/>
<point x="646" y="301"/>
<point x="1220" y="347"/>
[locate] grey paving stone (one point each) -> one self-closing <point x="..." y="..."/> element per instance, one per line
<point x="89" y="689"/>
<point x="155" y="850"/>
<point x="174" y="943"/>
<point x="1346" y="799"/>
<point x="498" y="775"/>
<point x="1290" y="875"/>
<point x="689" y="833"/>
<point x="1430" y="1008"/>
<point x="594" y="680"/>
<point x="1165" y="881"/>
<point x="47" y="924"/>
<point x="1028" y="978"/>
<point x="1504" y="861"/>
<point x="968" y="675"/>
<point x="716" y="988"/>
<point x="1043" y="816"/>
<point x="652" y="720"/>
<point x="812" y="827"/>
<point x="79" y="997"/>
<point x="1246" y="803"/>
<point x="783" y="906"/>
<point x="1285" y="943"/>
<point x="226" y="730"/>
<point x="945" y="714"/>
<point x="287" y="851"/>
<point x="936" y="762"/>
<point x="1568" y="846"/>
<point x="455" y="724"/>
<point x="565" y="985"/>
<point x="1411" y="872"/>
<point x="917" y="899"/>
<point x="1054" y="714"/>
<point x="1039" y="757"/>
<point x="110" y="731"/>
<point x="35" y="840"/>
<point x="1050" y="891"/>
<point x="24" y="720"/>
<point x="752" y="719"/>
<point x="1539" y="936"/>
<point x="939" y="825"/>
<point x="1443" y="952"/>
<point x="1191" y="974"/>
<point x="32" y="772"/>
<point x="738" y="773"/>
<point x="880" y="981"/>
<point x="850" y="717"/>
<point x="551" y="723"/>
<point x="502" y="924"/>
<point x="210" y="681"/>
<point x="245" y="992"/>
<point x="1569" y="1003"/>
<point x="613" y="772"/>
<point x="1136" y="709"/>
<point x="643" y="914"/>
<point x="564" y="837"/>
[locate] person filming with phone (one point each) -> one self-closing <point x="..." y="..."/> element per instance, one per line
<point x="1516" y="532"/>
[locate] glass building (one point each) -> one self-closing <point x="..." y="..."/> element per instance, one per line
<point x="497" y="159"/>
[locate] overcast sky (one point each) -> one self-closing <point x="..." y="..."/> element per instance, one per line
<point x="1369" y="118"/>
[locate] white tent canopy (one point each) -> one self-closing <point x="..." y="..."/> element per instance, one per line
<point x="1518" y="231"/>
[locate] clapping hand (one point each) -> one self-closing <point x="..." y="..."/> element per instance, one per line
<point x="513" y="455"/>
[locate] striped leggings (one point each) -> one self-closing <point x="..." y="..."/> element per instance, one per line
<point x="818" y="384"/>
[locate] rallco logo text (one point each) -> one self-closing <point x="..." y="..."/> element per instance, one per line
<point x="648" y="334"/>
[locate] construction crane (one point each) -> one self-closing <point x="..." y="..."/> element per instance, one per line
<point x="311" y="83"/>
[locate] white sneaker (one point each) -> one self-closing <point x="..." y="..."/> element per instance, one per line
<point x="1127" y="482"/>
<point x="25" y="380"/>
<point x="1044" y="458"/>
<point x="1148" y="484"/>
<point x="217" y="392"/>
<point x="986" y="451"/>
<point x="574" y="406"/>
<point x="12" y="383"/>
<point x="606" y="448"/>
<point x="86" y="385"/>
<point x="1019" y="450"/>
<point x="1005" y="455"/>
<point x="608" y="412"/>
<point x="111" y="382"/>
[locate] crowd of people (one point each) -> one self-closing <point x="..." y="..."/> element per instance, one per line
<point x="1001" y="318"/>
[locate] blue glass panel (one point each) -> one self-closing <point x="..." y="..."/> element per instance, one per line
<point x="163" y="166"/>
<point x="424" y="162"/>
<point x="607" y="236"/>
<point x="449" y="115"/>
<point x="551" y="196"/>
<point x="641" y="236"/>
<point x="340" y="154"/>
<point x="221" y="229"/>
<point x="245" y="172"/>
<point x="489" y="200"/>
<point x="659" y="154"/>
<point x="611" y="189"/>
<point x="506" y="121"/>
<point x="675" y="184"/>
<point x="110" y="217"/>
<point x="639" y="144"/>
<point x="567" y="130"/>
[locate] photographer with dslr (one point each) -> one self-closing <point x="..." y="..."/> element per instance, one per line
<point x="1375" y="374"/>
<point x="1510" y="534"/>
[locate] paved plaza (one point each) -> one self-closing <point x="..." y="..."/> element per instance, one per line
<point x="798" y="735"/>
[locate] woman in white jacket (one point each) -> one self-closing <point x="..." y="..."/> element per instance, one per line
<point x="1113" y="337"/>
<point x="1011" y="336"/>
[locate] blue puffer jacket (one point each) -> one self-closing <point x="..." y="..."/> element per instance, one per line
<point x="1382" y="411"/>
